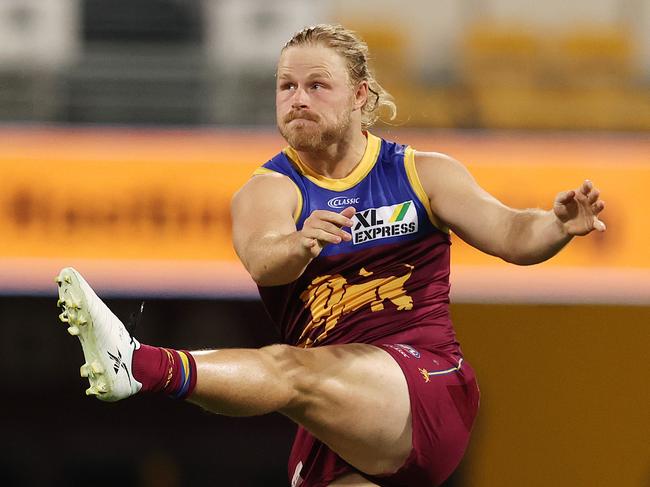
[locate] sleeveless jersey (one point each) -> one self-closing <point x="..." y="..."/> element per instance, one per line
<point x="391" y="280"/>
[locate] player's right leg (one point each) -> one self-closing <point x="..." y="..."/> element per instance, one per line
<point x="354" y="397"/>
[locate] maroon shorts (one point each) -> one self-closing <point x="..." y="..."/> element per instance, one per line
<point x="444" y="399"/>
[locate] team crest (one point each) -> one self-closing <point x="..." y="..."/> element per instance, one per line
<point x="329" y="297"/>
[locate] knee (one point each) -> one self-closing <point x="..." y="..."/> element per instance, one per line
<point x="295" y="370"/>
<point x="281" y="355"/>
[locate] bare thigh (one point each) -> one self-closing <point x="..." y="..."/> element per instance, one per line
<point x="354" y="398"/>
<point x="352" y="480"/>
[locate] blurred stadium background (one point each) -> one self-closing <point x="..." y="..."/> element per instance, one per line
<point x="126" y="127"/>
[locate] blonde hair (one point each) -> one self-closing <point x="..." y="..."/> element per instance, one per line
<point x="355" y="51"/>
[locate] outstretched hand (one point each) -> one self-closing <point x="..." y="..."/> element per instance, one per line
<point x="578" y="209"/>
<point x="325" y="227"/>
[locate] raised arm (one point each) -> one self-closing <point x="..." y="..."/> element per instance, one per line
<point x="522" y="237"/>
<point x="265" y="236"/>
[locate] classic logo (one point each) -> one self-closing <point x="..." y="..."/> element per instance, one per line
<point x="384" y="222"/>
<point x="329" y="297"/>
<point x="342" y="202"/>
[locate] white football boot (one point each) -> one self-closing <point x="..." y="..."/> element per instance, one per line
<point x="107" y="345"/>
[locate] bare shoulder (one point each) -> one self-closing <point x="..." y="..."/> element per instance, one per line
<point x="438" y="171"/>
<point x="437" y="163"/>
<point x="266" y="203"/>
<point x="266" y="189"/>
<point x="265" y="183"/>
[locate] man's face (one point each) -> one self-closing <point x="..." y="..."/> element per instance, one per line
<point x="314" y="99"/>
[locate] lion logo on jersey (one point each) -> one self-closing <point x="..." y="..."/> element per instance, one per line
<point x="329" y="297"/>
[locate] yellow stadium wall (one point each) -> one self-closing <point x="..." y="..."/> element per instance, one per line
<point x="133" y="207"/>
<point x="565" y="395"/>
<point x="159" y="195"/>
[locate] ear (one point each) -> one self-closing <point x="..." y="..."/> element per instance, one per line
<point x="361" y="95"/>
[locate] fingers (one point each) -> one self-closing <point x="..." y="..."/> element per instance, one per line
<point x="333" y="237"/>
<point x="599" y="225"/>
<point x="327" y="232"/>
<point x="598" y="206"/>
<point x="308" y="243"/>
<point x="311" y="244"/>
<point x="338" y="219"/>
<point x="586" y="190"/>
<point x="326" y="226"/>
<point x="590" y="191"/>
<point x="565" y="197"/>
<point x="586" y="187"/>
<point x="592" y="195"/>
<point x="349" y="212"/>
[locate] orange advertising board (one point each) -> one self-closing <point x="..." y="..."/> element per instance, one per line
<point x="118" y="200"/>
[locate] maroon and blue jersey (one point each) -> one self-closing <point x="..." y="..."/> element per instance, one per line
<point x="390" y="280"/>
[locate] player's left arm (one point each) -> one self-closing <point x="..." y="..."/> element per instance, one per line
<point x="522" y="237"/>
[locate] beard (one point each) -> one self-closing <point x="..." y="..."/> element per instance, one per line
<point x="311" y="134"/>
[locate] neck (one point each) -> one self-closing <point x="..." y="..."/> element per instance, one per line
<point x="340" y="158"/>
